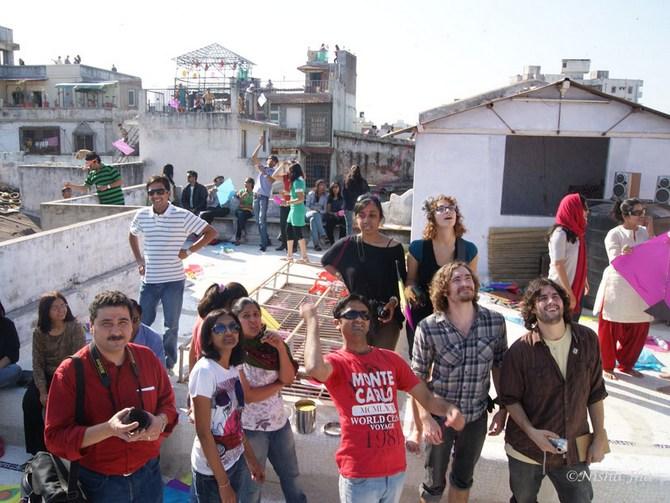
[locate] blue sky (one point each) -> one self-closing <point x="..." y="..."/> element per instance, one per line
<point x="412" y="55"/>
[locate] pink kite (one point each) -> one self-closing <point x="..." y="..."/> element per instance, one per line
<point x="647" y="269"/>
<point x="123" y="147"/>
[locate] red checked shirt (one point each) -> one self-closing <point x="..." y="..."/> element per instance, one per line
<point x="112" y="456"/>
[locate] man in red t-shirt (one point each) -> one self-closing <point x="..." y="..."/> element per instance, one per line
<point x="117" y="451"/>
<point x="363" y="382"/>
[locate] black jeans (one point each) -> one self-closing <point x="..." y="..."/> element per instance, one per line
<point x="572" y="483"/>
<point x="33" y="421"/>
<point x="333" y="221"/>
<point x="242" y="217"/>
<point x="211" y="213"/>
<point x="467" y="446"/>
<point x="283" y="218"/>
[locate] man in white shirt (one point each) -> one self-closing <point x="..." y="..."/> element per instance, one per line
<point x="165" y="229"/>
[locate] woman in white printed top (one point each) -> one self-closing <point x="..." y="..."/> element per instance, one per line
<point x="268" y="367"/>
<point x="216" y="391"/>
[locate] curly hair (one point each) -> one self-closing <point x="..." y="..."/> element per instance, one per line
<point x="439" y="286"/>
<point x="530" y="296"/>
<point x="429" y="206"/>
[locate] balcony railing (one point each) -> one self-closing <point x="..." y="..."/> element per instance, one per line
<point x="300" y="86"/>
<point x="285" y="135"/>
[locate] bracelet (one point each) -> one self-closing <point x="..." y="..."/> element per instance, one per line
<point x="224" y="485"/>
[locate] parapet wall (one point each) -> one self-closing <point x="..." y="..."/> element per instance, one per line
<point x="56" y="214"/>
<point x="81" y="259"/>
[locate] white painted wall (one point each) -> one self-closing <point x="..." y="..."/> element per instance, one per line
<point x="294" y="117"/>
<point x="470" y="166"/>
<point x="207" y="143"/>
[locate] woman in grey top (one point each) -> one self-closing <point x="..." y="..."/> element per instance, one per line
<point x="57" y="335"/>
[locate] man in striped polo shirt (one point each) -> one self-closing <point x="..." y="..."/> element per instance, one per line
<point x="164" y="228"/>
<point x="106" y="180"/>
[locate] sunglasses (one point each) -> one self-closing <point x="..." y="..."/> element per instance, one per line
<point x="222" y="328"/>
<point x="638" y="213"/>
<point x="352" y="314"/>
<point x="157" y="192"/>
<point x="444" y="208"/>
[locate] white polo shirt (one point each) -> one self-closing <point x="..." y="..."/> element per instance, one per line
<point x="163" y="237"/>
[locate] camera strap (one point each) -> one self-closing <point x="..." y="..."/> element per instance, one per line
<point x="105" y="378"/>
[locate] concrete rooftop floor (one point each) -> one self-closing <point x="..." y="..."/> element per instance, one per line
<point x="636" y="414"/>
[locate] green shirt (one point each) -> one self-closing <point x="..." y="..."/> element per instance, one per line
<point x="296" y="215"/>
<point x="103" y="176"/>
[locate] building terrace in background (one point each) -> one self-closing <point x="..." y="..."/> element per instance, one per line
<point x="53" y="109"/>
<point x="579" y="70"/>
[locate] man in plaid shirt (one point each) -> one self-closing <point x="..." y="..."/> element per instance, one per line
<point x="455" y="351"/>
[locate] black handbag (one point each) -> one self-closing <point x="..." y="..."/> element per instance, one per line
<point x="48" y="478"/>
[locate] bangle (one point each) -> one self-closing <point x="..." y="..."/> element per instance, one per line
<point x="225" y="485"/>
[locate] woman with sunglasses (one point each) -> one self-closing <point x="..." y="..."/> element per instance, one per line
<point x="57" y="335"/>
<point x="442" y="244"/>
<point x="222" y="460"/>
<point x="567" y="250"/>
<point x="268" y="367"/>
<point x="622" y="323"/>
<point x="215" y="297"/>
<point x="369" y="265"/>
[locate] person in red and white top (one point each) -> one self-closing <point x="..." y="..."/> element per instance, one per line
<point x="363" y="382"/>
<point x="118" y="457"/>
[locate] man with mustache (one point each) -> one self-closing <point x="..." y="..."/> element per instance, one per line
<point x="550" y="379"/>
<point x="456" y="351"/>
<point x="117" y="446"/>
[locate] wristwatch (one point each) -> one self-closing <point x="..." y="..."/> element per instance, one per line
<point x="109" y="186"/>
<point x="188" y="252"/>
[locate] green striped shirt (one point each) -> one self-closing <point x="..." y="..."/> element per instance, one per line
<point x="106" y="175"/>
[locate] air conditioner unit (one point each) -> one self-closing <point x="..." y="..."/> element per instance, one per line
<point x="662" y="193"/>
<point x="626" y="185"/>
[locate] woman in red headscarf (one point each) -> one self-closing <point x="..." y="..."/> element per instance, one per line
<point x="567" y="250"/>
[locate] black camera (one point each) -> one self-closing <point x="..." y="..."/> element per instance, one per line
<point x="139" y="415"/>
<point x="382" y="312"/>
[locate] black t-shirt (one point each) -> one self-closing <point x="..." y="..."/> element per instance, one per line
<point x="368" y="270"/>
<point x="9" y="340"/>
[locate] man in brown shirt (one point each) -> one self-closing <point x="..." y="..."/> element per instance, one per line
<point x="551" y="377"/>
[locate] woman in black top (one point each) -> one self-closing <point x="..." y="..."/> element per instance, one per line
<point x="335" y="212"/>
<point x="354" y="187"/>
<point x="369" y="264"/>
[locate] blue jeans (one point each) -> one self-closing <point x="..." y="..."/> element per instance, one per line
<point x="171" y="295"/>
<point x="279" y="447"/>
<point x="316" y="227"/>
<point x="349" y="220"/>
<point x="9" y="375"/>
<point x="572" y="483"/>
<point x="143" y="486"/>
<point x="205" y="488"/>
<point x="261" y="214"/>
<point x="372" y="490"/>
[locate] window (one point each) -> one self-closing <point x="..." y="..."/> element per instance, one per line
<point x="83" y="141"/>
<point x="40" y="140"/>
<point x="132" y="98"/>
<point x="274" y="114"/>
<point x="317" y="123"/>
<point x="317" y="166"/>
<point x="553" y="167"/>
<point x="243" y="149"/>
<point x="630" y="89"/>
<point x="613" y="89"/>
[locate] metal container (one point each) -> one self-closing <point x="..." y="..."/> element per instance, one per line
<point x="305" y="416"/>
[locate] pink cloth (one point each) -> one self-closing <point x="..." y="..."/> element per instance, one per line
<point x="123" y="147"/>
<point x="647" y="269"/>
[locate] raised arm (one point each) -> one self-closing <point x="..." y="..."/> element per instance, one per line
<point x="254" y="154"/>
<point x="315" y="365"/>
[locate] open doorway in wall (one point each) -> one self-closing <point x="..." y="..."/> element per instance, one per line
<point x="540" y="170"/>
